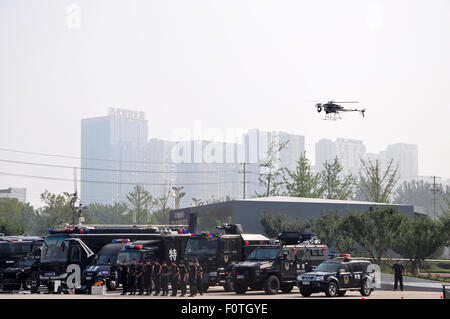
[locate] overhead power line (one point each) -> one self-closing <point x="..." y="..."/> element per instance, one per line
<point x="110" y="182"/>
<point x="116" y="170"/>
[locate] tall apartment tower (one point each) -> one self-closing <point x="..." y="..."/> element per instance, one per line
<point x="113" y="146"/>
<point x="406" y="157"/>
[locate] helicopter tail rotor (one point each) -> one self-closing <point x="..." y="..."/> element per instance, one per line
<point x="363" y="111"/>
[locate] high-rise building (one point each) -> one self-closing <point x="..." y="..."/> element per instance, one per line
<point x="348" y="151"/>
<point x="112" y="147"/>
<point x="406" y="157"/>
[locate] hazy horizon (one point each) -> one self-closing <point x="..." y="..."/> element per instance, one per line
<point x="229" y="64"/>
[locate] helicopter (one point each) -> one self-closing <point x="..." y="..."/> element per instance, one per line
<point x="332" y="109"/>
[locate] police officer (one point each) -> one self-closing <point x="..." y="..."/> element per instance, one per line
<point x="192" y="278"/>
<point x="174" y="278"/>
<point x="157" y="277"/>
<point x="124" y="277"/>
<point x="199" y="271"/>
<point x="140" y="277"/>
<point x="132" y="277"/>
<point x="398" y="270"/>
<point x="183" y="274"/>
<point x="165" y="274"/>
<point x="148" y="270"/>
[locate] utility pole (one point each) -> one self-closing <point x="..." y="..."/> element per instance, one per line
<point x="434" y="196"/>
<point x="244" y="182"/>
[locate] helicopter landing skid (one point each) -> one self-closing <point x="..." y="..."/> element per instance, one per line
<point x="332" y="117"/>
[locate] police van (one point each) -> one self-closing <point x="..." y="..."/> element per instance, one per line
<point x="276" y="267"/>
<point x="338" y="275"/>
<point x="19" y="261"/>
<point x="217" y="253"/>
<point x="66" y="252"/>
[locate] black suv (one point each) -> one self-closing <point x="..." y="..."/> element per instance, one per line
<point x="276" y="267"/>
<point x="337" y="275"/>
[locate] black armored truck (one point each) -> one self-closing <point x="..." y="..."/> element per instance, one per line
<point x="217" y="253"/>
<point x="276" y="267"/>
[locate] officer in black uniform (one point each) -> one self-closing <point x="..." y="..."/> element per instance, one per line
<point x="199" y="271"/>
<point x="165" y="274"/>
<point x="398" y="270"/>
<point x="132" y="277"/>
<point x="183" y="274"/>
<point x="140" y="277"/>
<point x="157" y="277"/>
<point x="148" y="270"/>
<point x="174" y="278"/>
<point x="192" y="278"/>
<point x="124" y="277"/>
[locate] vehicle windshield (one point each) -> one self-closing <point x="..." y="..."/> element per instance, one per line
<point x="328" y="266"/>
<point x="15" y="248"/>
<point x="263" y="253"/>
<point x="201" y="246"/>
<point x="55" y="249"/>
<point x="128" y="255"/>
<point x="105" y="260"/>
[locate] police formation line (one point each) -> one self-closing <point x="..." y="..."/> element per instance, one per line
<point x="155" y="277"/>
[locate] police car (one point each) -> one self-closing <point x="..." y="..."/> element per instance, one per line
<point x="337" y="275"/>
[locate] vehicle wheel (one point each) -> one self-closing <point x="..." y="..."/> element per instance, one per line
<point x="240" y="289"/>
<point x="341" y="293"/>
<point x="228" y="284"/>
<point x="365" y="289"/>
<point x="287" y="288"/>
<point x="111" y="285"/>
<point x="272" y="285"/>
<point x="332" y="290"/>
<point x="305" y="292"/>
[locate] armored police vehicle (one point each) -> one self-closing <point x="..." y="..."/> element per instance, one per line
<point x="66" y="252"/>
<point x="338" y="275"/>
<point x="217" y="253"/>
<point x="19" y="261"/>
<point x="276" y="267"/>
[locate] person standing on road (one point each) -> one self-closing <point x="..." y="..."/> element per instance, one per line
<point x="192" y="278"/>
<point x="148" y="270"/>
<point x="132" y="278"/>
<point x="398" y="270"/>
<point x="165" y="274"/>
<point x="124" y="277"/>
<point x="183" y="277"/>
<point x="174" y="278"/>
<point x="199" y="271"/>
<point x="157" y="277"/>
<point x="140" y="277"/>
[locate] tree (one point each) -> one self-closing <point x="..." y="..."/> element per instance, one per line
<point x="419" y="238"/>
<point x="16" y="218"/>
<point x="109" y="214"/>
<point x="162" y="203"/>
<point x="271" y="173"/>
<point x="139" y="203"/>
<point x="335" y="186"/>
<point x="329" y="228"/>
<point x="377" y="184"/>
<point x="374" y="230"/>
<point x="301" y="182"/>
<point x="275" y="224"/>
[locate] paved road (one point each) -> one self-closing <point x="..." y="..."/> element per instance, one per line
<point x="219" y="293"/>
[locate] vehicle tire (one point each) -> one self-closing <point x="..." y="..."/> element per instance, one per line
<point x="286" y="288"/>
<point x="332" y="289"/>
<point x="305" y="292"/>
<point x="240" y="289"/>
<point x="228" y="284"/>
<point x="111" y="285"/>
<point x="271" y="285"/>
<point x="341" y="293"/>
<point x="365" y="289"/>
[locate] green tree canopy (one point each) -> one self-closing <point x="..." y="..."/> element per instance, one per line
<point x="16" y="218"/>
<point x="274" y="224"/>
<point x="335" y="185"/>
<point x="140" y="203"/>
<point x="377" y="184"/>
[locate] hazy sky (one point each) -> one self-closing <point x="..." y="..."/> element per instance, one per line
<point x="229" y="64"/>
